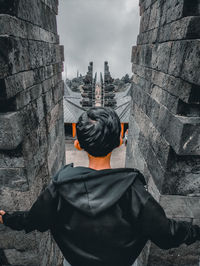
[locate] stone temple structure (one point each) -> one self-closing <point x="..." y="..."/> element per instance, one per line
<point x="75" y="103"/>
<point x="108" y="95"/>
<point x="164" y="126"/>
<point x="32" y="146"/>
<point x="107" y="88"/>
<point x="88" y="95"/>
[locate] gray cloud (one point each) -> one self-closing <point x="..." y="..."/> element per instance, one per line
<point x="98" y="30"/>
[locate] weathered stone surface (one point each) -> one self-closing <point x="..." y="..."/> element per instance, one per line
<point x="54" y="115"/>
<point x="181" y="206"/>
<point x="135" y="158"/>
<point x="172" y="10"/>
<point x="5" y="66"/>
<point x="182" y="177"/>
<point x="16" y="83"/>
<point x="30" y="54"/>
<point x="55" y="157"/>
<point x="144" y="255"/>
<point x="161" y="56"/>
<point x="31" y="121"/>
<point x="9" y="62"/>
<point x="12" y="85"/>
<point x="147" y="37"/>
<point x="178" y="127"/>
<point x="14" y="178"/>
<point x="185" y="61"/>
<point x="185" y="255"/>
<point x="37" y="13"/>
<point x="153" y="56"/>
<point x="157" y="156"/>
<point x="37" y="142"/>
<point x="182" y="133"/>
<point x="157" y="93"/>
<point x="52" y="4"/>
<point x="155" y="15"/>
<point x="12" y="26"/>
<point x="26" y="258"/>
<point x="58" y="92"/>
<point x="185" y="28"/>
<point x="164" y="128"/>
<point x="146" y="4"/>
<point x="17" y="240"/>
<point x="152" y="136"/>
<point x="145" y="21"/>
<point x="19" y="28"/>
<point x="177" y="87"/>
<point x="11" y="132"/>
<point x="46" y="247"/>
<point x="12" y="158"/>
<point x="191" y="63"/>
<point x="146" y="78"/>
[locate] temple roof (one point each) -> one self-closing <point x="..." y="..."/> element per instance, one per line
<point x="73" y="108"/>
<point x="71" y="104"/>
<point x="123" y="104"/>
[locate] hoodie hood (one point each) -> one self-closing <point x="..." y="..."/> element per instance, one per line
<point x="93" y="191"/>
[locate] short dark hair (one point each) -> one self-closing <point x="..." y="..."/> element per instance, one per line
<point x="98" y="131"/>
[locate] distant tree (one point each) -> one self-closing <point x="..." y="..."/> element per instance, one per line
<point x="68" y="82"/>
<point x="120" y="84"/>
<point x="75" y="83"/>
<point x="126" y="79"/>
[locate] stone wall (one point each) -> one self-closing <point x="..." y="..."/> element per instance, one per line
<point x="164" y="134"/>
<point x="31" y="120"/>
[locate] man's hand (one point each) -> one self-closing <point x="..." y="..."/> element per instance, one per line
<point x="1" y="214"/>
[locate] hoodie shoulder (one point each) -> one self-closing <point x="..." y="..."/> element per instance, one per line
<point x="92" y="191"/>
<point x="139" y="195"/>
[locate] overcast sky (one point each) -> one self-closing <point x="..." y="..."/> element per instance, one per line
<point x="98" y="31"/>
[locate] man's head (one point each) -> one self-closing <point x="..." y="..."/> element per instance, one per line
<point x="98" y="131"/>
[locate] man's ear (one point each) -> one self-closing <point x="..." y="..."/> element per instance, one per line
<point x="121" y="141"/>
<point x="77" y="145"/>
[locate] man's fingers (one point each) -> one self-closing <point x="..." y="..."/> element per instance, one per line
<point x="2" y="212"/>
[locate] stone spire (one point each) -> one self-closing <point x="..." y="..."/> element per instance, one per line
<point x="88" y="88"/>
<point x="108" y="88"/>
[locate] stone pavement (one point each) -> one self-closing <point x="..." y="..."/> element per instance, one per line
<point x="79" y="158"/>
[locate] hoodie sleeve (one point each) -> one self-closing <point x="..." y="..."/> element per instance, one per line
<point x="166" y="233"/>
<point x="40" y="217"/>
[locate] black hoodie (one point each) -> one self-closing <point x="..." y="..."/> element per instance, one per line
<point x="101" y="218"/>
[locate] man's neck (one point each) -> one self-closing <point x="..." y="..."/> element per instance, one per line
<point x="99" y="163"/>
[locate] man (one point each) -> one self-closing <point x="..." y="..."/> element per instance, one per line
<point x="97" y="215"/>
